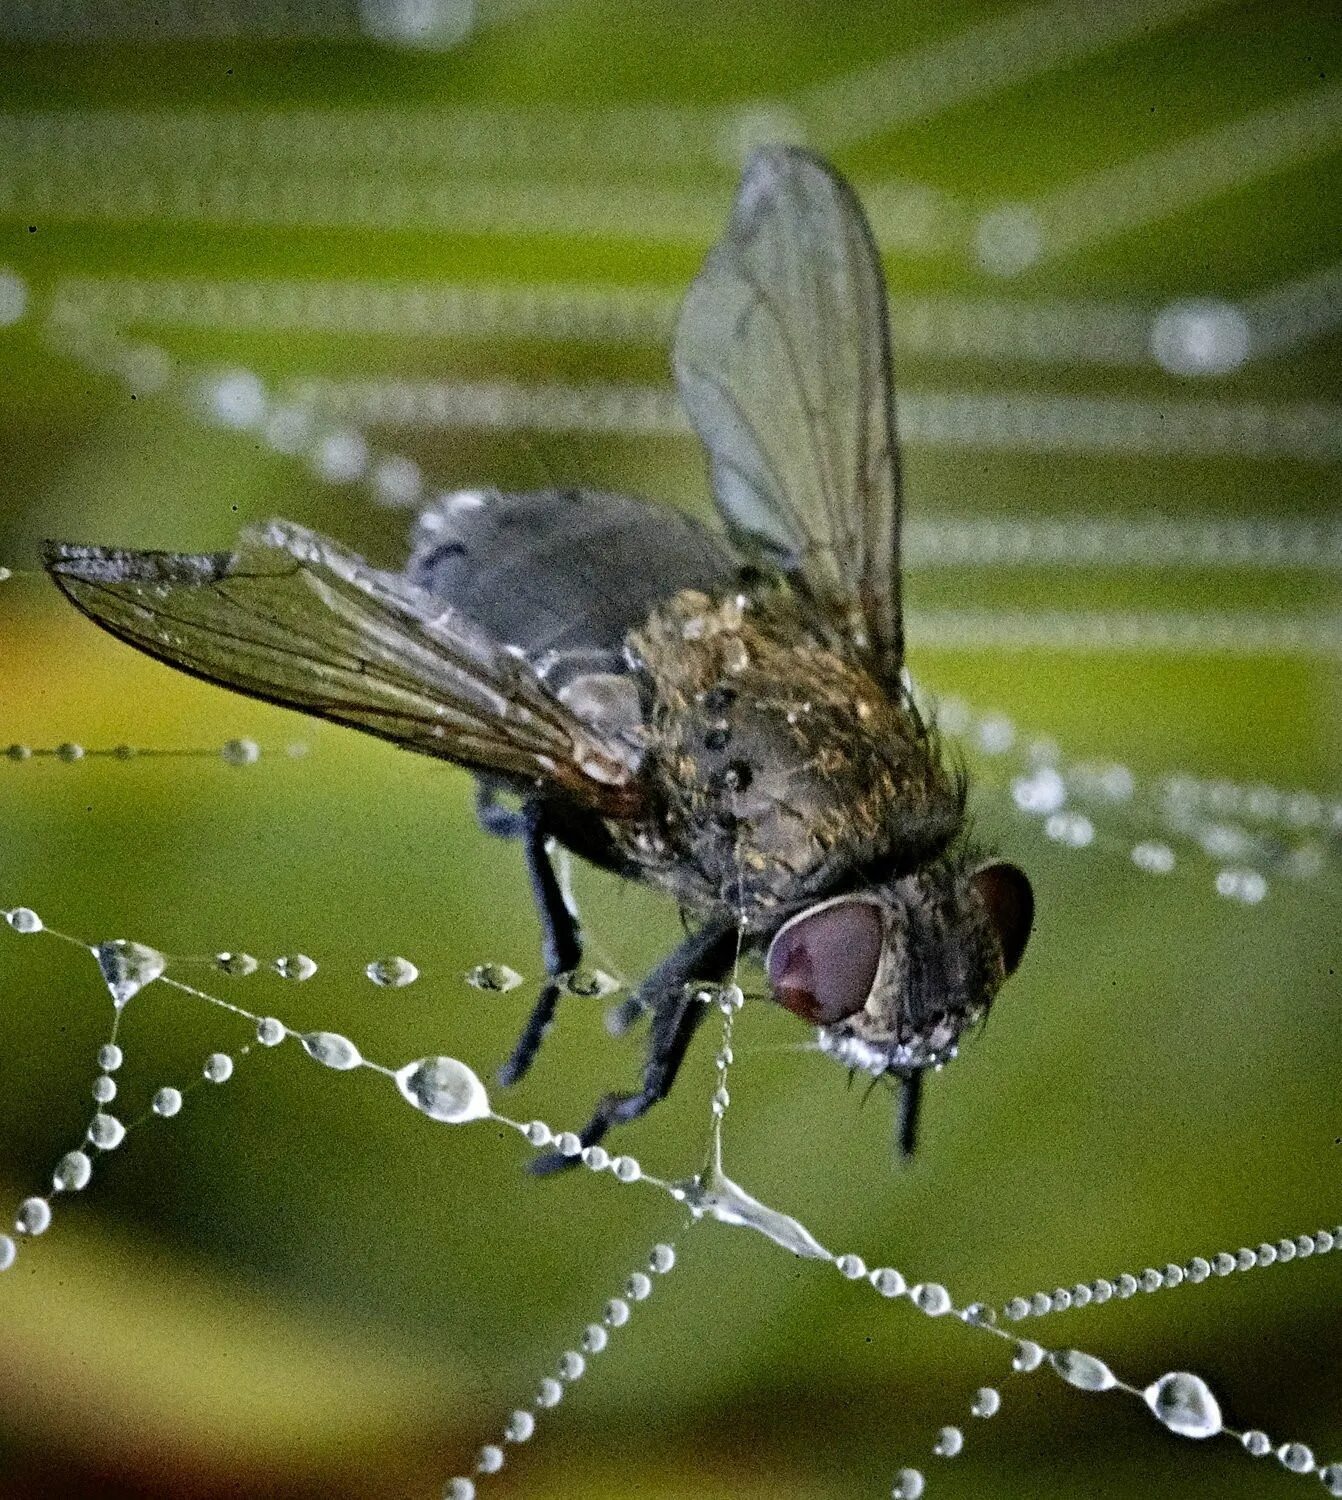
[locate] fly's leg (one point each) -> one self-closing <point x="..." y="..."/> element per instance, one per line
<point x="910" y="1106"/>
<point x="706" y="955"/>
<point x="561" y="945"/>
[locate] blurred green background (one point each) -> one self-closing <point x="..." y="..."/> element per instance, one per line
<point x="301" y="1288"/>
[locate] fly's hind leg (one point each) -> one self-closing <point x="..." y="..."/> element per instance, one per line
<point x="910" y="1107"/>
<point x="561" y="943"/>
<point x="668" y="992"/>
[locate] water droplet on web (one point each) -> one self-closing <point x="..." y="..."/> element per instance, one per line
<point x="521" y="1424"/>
<point x="596" y="1157"/>
<point x="568" y="1144"/>
<point x="851" y="1267"/>
<point x="240" y="752"/>
<point x="726" y="1201"/>
<point x="987" y="1402"/>
<point x="662" y="1259"/>
<point x="270" y="1032"/>
<point x="616" y="1312"/>
<point x="69" y="752"/>
<point x="72" y="1172"/>
<point x="110" y="1057"/>
<point x="638" y="1288"/>
<point x="594" y="1338"/>
<point x="1028" y="1356"/>
<point x="1256" y="1443"/>
<point x="909" y="1485"/>
<point x="538" y="1133"/>
<point x="496" y="977"/>
<point x="167" y="1102"/>
<point x="459" y="1488"/>
<point x="572" y="1366"/>
<point x="296" y="966"/>
<point x="1082" y="1370"/>
<point x="33" y="1217"/>
<point x="626" y="1169"/>
<point x="932" y="1298"/>
<point x="490" y="1459"/>
<point x="128" y="967"/>
<point x="1330" y="1476"/>
<point x="104" y="1089"/>
<point x="949" y="1442"/>
<point x="549" y="1393"/>
<point x="1296" y="1457"/>
<point x="24" y="919"/>
<point x="444" y="1089"/>
<point x="8" y="1252"/>
<point x="106" y="1132"/>
<point x="19" y="752"/>
<point x="331" y="1050"/>
<point x="392" y="973"/>
<point x="237" y="964"/>
<point x="218" y="1067"/>
<point x="1185" y="1404"/>
<point x="888" y="1282"/>
<point x="591" y="984"/>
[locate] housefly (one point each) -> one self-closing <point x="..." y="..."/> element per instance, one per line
<point x="720" y="714"/>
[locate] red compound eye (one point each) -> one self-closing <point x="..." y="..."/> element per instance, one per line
<point x="822" y="965"/>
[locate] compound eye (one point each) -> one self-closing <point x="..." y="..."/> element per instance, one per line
<point x="823" y="964"/>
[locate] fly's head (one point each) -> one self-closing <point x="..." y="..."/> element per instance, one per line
<point x="892" y="975"/>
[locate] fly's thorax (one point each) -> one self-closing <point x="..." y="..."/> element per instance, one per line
<point x="779" y="758"/>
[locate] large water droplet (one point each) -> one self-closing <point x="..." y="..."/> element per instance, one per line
<point x="128" y="967"/>
<point x="295" y="966"/>
<point x="240" y="752"/>
<point x="106" y="1132"/>
<point x="110" y="1057"/>
<point x="218" y="1067"/>
<point x="1296" y="1457"/>
<point x="908" y="1485"/>
<point x="496" y="977"/>
<point x="1028" y="1356"/>
<point x="331" y="1050"/>
<point x="8" y="1252"/>
<point x="591" y="984"/>
<point x="949" y="1442"/>
<point x="1185" y="1404"/>
<point x="72" y="1172"/>
<point x="459" y="1488"/>
<point x="726" y="1201"/>
<point x="33" y="1217"/>
<point x="167" y="1102"/>
<point x="490" y="1459"/>
<point x="987" y="1402"/>
<point x="521" y="1424"/>
<point x="270" y="1032"/>
<point x="237" y="964"/>
<point x="1330" y="1476"/>
<point x="392" y="973"/>
<point x="444" y="1089"/>
<point x="1083" y="1370"/>
<point x="24" y="919"/>
<point x="1256" y="1443"/>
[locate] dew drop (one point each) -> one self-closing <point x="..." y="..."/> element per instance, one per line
<point x="1082" y="1370"/>
<point x="1185" y="1404"/>
<point x="24" y="919"/>
<point x="490" y="1459"/>
<point x="1256" y="1443"/>
<point x="295" y="966"/>
<point x="549" y="1393"/>
<point x="591" y="984"/>
<point x="69" y="752"/>
<point x="237" y="964"/>
<point x="980" y="1315"/>
<point x="1330" y="1476"/>
<point x="240" y="752"/>
<point x="392" y="973"/>
<point x="987" y="1402"/>
<point x="1266" y="1254"/>
<point x="1101" y="1290"/>
<point x="1198" y="1269"/>
<point x="1017" y="1309"/>
<point x="932" y="1298"/>
<point x="1172" y="1275"/>
<point x="270" y="1032"/>
<point x="888" y="1282"/>
<point x="128" y="967"/>
<point x="444" y="1089"/>
<point x="949" y="1442"/>
<point x="572" y="1366"/>
<point x="110" y="1057"/>
<point x="726" y="1201"/>
<point x="33" y="1217"/>
<point x="596" y="1157"/>
<point x="1222" y="1263"/>
<point x="19" y="752"/>
<point x="332" y="1050"/>
<point x="1293" y="1456"/>
<point x="1150" y="1280"/>
<point x="520" y="1426"/>
<point x="616" y="1313"/>
<point x="459" y="1488"/>
<point x="662" y="1259"/>
<point x="638" y="1288"/>
<point x="218" y="1068"/>
<point x="72" y="1172"/>
<point x="568" y="1144"/>
<point x="594" y="1338"/>
<point x="106" y="1131"/>
<point x="538" y="1133"/>
<point x="1040" y="1303"/>
<point x="8" y="1252"/>
<point x="909" y="1484"/>
<point x="167" y="1102"/>
<point x="104" y="1089"/>
<point x="851" y="1267"/>
<point x="1125" y="1285"/>
<point x="626" y="1169"/>
<point x="1028" y="1356"/>
<point x="496" y="977"/>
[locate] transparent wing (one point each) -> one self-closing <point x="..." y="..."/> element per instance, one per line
<point x="782" y="356"/>
<point x="293" y="618"/>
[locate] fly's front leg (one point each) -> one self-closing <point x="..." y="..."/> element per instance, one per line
<point x="668" y="992"/>
<point x="561" y="944"/>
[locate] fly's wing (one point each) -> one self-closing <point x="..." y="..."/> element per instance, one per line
<point x="782" y="356"/>
<point x="294" y="619"/>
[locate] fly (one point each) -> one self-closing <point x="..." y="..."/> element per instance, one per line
<point x="720" y="714"/>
